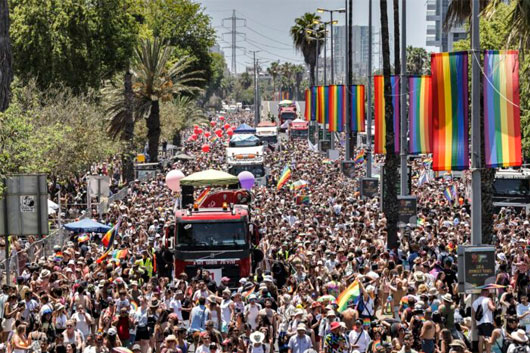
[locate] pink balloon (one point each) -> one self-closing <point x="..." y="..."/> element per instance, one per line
<point x="212" y="123"/>
<point x="207" y="134"/>
<point x="193" y="137"/>
<point x="222" y="118"/>
<point x="205" y="148"/>
<point x="173" y="179"/>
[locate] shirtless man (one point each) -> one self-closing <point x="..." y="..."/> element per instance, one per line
<point x="428" y="331"/>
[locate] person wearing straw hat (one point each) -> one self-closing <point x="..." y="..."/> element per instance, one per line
<point x="519" y="342"/>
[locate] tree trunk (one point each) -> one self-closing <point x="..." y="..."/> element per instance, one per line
<point x="177" y="139"/>
<point x="397" y="58"/>
<point x="390" y="175"/>
<point x="128" y="132"/>
<point x="6" y="70"/>
<point x="153" y="131"/>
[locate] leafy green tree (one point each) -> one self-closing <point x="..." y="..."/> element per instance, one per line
<point x="418" y="61"/>
<point x="245" y="80"/>
<point x="273" y="70"/>
<point x="219" y="71"/>
<point x="6" y="71"/>
<point x="185" y="26"/>
<point x="72" y="42"/>
<point x="306" y="33"/>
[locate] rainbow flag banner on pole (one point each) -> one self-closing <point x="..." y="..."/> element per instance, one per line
<point x="326" y="105"/>
<point x="450" y="111"/>
<point x="420" y="114"/>
<point x="379" y="113"/>
<point x="284" y="178"/>
<point x="502" y="121"/>
<point x="349" y="296"/>
<point x="307" y="113"/>
<point x="314" y="104"/>
<point x="337" y="107"/>
<point x="357" y="108"/>
<point x="320" y="104"/>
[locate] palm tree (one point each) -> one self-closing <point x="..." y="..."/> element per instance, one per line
<point x="6" y="70"/>
<point x="390" y="169"/>
<point x="306" y="33"/>
<point x="187" y="113"/>
<point x="273" y="70"/>
<point x="157" y="79"/>
<point x="298" y="76"/>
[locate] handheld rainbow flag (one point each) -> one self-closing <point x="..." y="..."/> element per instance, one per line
<point x="104" y="256"/>
<point x="359" y="158"/>
<point x="202" y="195"/>
<point x="134" y="306"/>
<point x="420" y="114"/>
<point x="59" y="257"/>
<point x="450" y="111"/>
<point x="302" y="199"/>
<point x="284" y="178"/>
<point x="349" y="296"/>
<point x="450" y="193"/>
<point x="83" y="238"/>
<point x="502" y="122"/>
<point x="379" y="113"/>
<point x="119" y="254"/>
<point x="108" y="238"/>
<point x="299" y="184"/>
<point x="357" y="108"/>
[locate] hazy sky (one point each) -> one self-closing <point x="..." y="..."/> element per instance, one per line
<point x="268" y="23"/>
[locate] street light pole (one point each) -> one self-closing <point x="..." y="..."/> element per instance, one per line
<point x="369" y="96"/>
<point x="331" y="63"/>
<point x="348" y="82"/>
<point x="403" y="102"/>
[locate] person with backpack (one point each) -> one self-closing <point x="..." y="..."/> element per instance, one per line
<point x="482" y="310"/>
<point x="499" y="340"/>
<point x="519" y="342"/>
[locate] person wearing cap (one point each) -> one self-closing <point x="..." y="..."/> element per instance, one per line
<point x="359" y="339"/>
<point x="251" y="311"/>
<point x="300" y="342"/>
<point x="334" y="341"/>
<point x="136" y="348"/>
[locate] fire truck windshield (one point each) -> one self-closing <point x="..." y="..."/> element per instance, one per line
<point x="208" y="234"/>
<point x="256" y="169"/>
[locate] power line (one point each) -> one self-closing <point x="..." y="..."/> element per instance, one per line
<point x="266" y="45"/>
<point x="261" y="24"/>
<point x="269" y="38"/>
<point x="276" y="55"/>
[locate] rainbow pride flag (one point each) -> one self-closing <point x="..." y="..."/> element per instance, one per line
<point x="308" y="104"/>
<point x="450" y="111"/>
<point x="350" y="295"/>
<point x="502" y="121"/>
<point x="359" y="158"/>
<point x="320" y="105"/>
<point x="59" y="257"/>
<point x="357" y="108"/>
<point x="284" y="177"/>
<point x="134" y="306"/>
<point x="326" y="105"/>
<point x="337" y="107"/>
<point x="202" y="196"/>
<point x="379" y="113"/>
<point x="420" y="114"/>
<point x="83" y="238"/>
<point x="119" y="254"/>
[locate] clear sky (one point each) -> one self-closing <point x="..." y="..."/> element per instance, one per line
<point x="268" y="23"/>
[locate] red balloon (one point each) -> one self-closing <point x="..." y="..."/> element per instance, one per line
<point x="193" y="137"/>
<point x="229" y="132"/>
<point x="222" y="118"/>
<point x="212" y="123"/>
<point x="219" y="132"/>
<point x="207" y="134"/>
<point x="205" y="148"/>
<point x="195" y="127"/>
<point x="199" y="131"/>
<point x="227" y="126"/>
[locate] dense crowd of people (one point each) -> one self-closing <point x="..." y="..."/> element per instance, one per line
<point x="78" y="301"/>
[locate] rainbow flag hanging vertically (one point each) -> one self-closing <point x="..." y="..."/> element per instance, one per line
<point x="332" y="115"/>
<point x="450" y="111"/>
<point x="420" y="114"/>
<point x="337" y="107"/>
<point x="320" y="104"/>
<point x="502" y="122"/>
<point x="284" y="177"/>
<point x="349" y="296"/>
<point x="379" y="113"/>
<point x="326" y="105"/>
<point x="314" y="103"/>
<point x="357" y="108"/>
<point x="308" y="104"/>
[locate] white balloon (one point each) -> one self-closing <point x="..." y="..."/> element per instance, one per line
<point x="173" y="179"/>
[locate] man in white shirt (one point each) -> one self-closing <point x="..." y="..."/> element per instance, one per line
<point x="523" y="312"/>
<point x="300" y="342"/>
<point x="83" y="320"/>
<point x="175" y="304"/>
<point x="485" y="307"/>
<point x="251" y="311"/>
<point x="359" y="338"/>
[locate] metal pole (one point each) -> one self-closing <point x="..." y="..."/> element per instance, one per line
<point x="347" y="82"/>
<point x="332" y="137"/>
<point x="258" y="99"/>
<point x="325" y="55"/>
<point x="59" y="204"/>
<point x="403" y="102"/>
<point x="476" y="197"/>
<point x="369" y="97"/>
<point x="332" y="62"/>
<point x="316" y="60"/>
<point x="316" y="84"/>
<point x="6" y="231"/>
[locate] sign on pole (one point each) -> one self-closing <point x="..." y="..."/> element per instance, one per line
<point x="24" y="209"/>
<point x="407" y="210"/>
<point x="369" y="187"/>
<point x="98" y="185"/>
<point x="348" y="169"/>
<point x="476" y="268"/>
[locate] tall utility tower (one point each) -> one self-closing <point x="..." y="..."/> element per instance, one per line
<point x="234" y="33"/>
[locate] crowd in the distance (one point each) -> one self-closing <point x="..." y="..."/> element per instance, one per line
<point x="408" y="297"/>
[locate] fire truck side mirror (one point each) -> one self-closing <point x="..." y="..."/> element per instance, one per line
<point x="254" y="234"/>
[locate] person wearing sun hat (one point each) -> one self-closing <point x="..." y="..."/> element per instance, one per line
<point x="334" y="340"/>
<point x="300" y="342"/>
<point x="257" y="339"/>
<point x="519" y="342"/>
